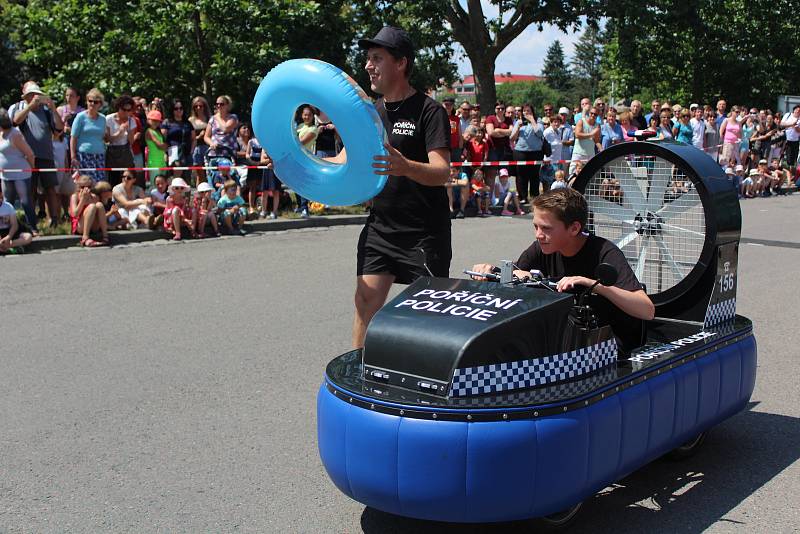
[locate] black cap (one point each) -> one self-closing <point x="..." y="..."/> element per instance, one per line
<point x="390" y="37"/>
<point x="449" y="99"/>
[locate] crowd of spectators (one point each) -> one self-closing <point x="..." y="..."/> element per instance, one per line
<point x="756" y="147"/>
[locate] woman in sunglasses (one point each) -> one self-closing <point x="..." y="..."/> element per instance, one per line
<point x="199" y="117"/>
<point x="221" y="130"/>
<point x="87" y="141"/>
<point x="120" y="131"/>
<point x="178" y="132"/>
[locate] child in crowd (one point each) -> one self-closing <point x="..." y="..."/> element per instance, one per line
<point x="12" y="237"/>
<point x="481" y="191"/>
<point x="156" y="145"/>
<point x="223" y="173"/>
<point x="476" y="149"/>
<point x="547" y="174"/>
<point x="87" y="213"/>
<point x="178" y="214"/>
<point x="577" y="167"/>
<point x="205" y="209"/>
<point x="231" y="208"/>
<point x="505" y="193"/>
<point x="66" y="185"/>
<point x="560" y="181"/>
<point x="458" y="184"/>
<point x="159" y="196"/>
<point x="780" y="177"/>
<point x="270" y="188"/>
<point x="114" y="220"/>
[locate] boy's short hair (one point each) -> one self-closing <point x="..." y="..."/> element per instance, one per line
<point x="568" y="206"/>
<point x="102" y="187"/>
<point x="230" y="183"/>
<point x="560" y="174"/>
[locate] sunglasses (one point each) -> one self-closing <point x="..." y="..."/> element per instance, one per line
<point x="95" y="101"/>
<point x="129" y="177"/>
<point x="592" y="114"/>
<point x="219" y="104"/>
<point x="178" y="108"/>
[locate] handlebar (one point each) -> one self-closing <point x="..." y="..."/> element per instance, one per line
<point x="536" y="279"/>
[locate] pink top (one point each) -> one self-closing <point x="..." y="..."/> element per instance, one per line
<point x="733" y="131"/>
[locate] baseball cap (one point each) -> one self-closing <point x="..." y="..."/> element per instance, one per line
<point x="753" y="172"/>
<point x="503" y="172"/>
<point x="728" y="170"/>
<point x="390" y="37"/>
<point x="693" y="106"/>
<point x="449" y="99"/>
<point x="739" y="168"/>
<point x="154" y="115"/>
<point x="563" y="111"/>
<point x="31" y="87"/>
<point x="762" y="162"/>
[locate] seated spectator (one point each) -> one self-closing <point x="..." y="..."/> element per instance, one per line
<point x="504" y="192"/>
<point x="223" y="172"/>
<point x="178" y="214"/>
<point x="205" y="210"/>
<point x="457" y="186"/>
<point x="576" y="170"/>
<point x="12" y="236"/>
<point x="560" y="180"/>
<point x="764" y="180"/>
<point x="134" y="206"/>
<point x="270" y="188"/>
<point x="780" y="177"/>
<point x="547" y="173"/>
<point x="232" y="211"/>
<point x="481" y="192"/>
<point x="158" y="195"/>
<point x="114" y="220"/>
<point x="87" y="213"/>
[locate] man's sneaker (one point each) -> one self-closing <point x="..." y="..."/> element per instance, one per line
<point x="459" y="214"/>
<point x="304" y="214"/>
<point x="263" y="214"/>
<point x="273" y="216"/>
<point x="507" y="213"/>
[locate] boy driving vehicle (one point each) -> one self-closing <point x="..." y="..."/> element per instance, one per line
<point x="564" y="251"/>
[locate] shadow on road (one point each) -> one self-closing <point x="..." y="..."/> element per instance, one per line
<point x="739" y="456"/>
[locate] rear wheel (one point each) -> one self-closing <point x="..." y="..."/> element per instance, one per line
<point x="689" y="448"/>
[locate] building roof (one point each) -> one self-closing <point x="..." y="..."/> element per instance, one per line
<point x="505" y="77"/>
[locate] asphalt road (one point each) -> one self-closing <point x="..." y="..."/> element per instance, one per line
<point x="171" y="387"/>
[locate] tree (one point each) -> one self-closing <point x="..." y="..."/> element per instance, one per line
<point x="555" y="70"/>
<point x="533" y="93"/>
<point x="586" y="60"/>
<point x="483" y="39"/>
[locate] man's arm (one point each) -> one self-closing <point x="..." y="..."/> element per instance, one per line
<point x="434" y="173"/>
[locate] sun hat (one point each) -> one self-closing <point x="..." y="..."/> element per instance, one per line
<point x="31" y="87"/>
<point x="203" y="187"/>
<point x="154" y="115"/>
<point x="178" y="183"/>
<point x="728" y="170"/>
<point x="503" y="172"/>
<point x="762" y="162"/>
<point x="739" y="168"/>
<point x="563" y="111"/>
<point x="753" y="172"/>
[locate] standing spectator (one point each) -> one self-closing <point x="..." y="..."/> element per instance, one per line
<point x="655" y="109"/>
<point x="140" y="117"/>
<point x="683" y="130"/>
<point x="65" y="185"/>
<point x="627" y="126"/>
<point x="638" y="121"/>
<point x="583" y="113"/>
<point x="791" y="122"/>
<point x="179" y="135"/>
<point x="131" y="201"/>
<point x="498" y="130"/>
<point x="748" y="130"/>
<point x="307" y="132"/>
<point x="243" y="136"/>
<point x="15" y="153"/>
<point x="611" y="132"/>
<point x="87" y="213"/>
<point x="256" y="176"/>
<point x="720" y="116"/>
<point x="456" y="141"/>
<point x="763" y="137"/>
<point x="220" y="133"/>
<point x="698" y="126"/>
<point x="12" y="236"/>
<point x="156" y="144"/>
<point x="199" y="119"/>
<point x="476" y="149"/>
<point x="86" y="142"/>
<point x="730" y="132"/>
<point x="712" y="142"/>
<point x="464" y="116"/>
<point x="528" y="136"/>
<point x="71" y="107"/>
<point x="251" y="180"/>
<point x="664" y="129"/>
<point x="553" y="135"/>
<point x="270" y="187"/>
<point x="567" y="134"/>
<point x="36" y="117"/>
<point x="120" y="131"/>
<point x="587" y="136"/>
<point x="547" y="108"/>
<point x="601" y="109"/>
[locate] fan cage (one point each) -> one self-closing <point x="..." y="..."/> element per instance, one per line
<point x="651" y="209"/>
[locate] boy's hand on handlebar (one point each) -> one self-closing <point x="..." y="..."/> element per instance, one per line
<point x="522" y="275"/>
<point x="572" y="282"/>
<point x="482" y="268"/>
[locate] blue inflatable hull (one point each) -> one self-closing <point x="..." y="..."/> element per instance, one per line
<point x="470" y="471"/>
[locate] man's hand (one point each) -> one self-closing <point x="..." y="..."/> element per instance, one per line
<point x="394" y="163"/>
<point x="485" y="268"/>
<point x="522" y="275"/>
<point x="572" y="282"/>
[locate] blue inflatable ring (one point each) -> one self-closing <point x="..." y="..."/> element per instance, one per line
<point x="309" y="81"/>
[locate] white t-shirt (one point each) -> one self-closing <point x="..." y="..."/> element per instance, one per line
<point x="7" y="211"/>
<point x="698" y="132"/>
<point x="158" y="196"/>
<point x="789" y="122"/>
<point x="116" y="138"/>
<point x="554" y="138"/>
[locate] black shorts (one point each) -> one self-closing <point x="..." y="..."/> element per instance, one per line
<point x="403" y="255"/>
<point x="44" y="179"/>
<point x="4" y="232"/>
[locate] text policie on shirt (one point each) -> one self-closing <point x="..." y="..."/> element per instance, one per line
<point x="406" y="128"/>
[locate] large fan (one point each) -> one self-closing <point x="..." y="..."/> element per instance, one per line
<point x="653" y="199"/>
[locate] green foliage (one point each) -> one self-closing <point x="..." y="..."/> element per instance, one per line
<point x="555" y="68"/>
<point x="586" y="61"/>
<point x="534" y="93"/>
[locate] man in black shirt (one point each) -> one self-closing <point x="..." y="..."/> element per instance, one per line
<point x="563" y="251"/>
<point x="407" y="234"/>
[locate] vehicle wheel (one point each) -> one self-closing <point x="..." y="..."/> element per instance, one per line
<point x="689" y="448"/>
<point x="559" y="520"/>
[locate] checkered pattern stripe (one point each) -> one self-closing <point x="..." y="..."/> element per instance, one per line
<point x="523" y="374"/>
<point x="722" y="311"/>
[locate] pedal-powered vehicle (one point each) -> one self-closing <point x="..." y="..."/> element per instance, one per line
<point x="482" y="401"/>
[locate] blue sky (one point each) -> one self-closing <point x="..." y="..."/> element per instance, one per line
<point x="525" y="55"/>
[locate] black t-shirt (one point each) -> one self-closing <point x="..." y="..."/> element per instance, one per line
<point x="326" y="139"/>
<point x="417" y="126"/>
<point x="595" y="251"/>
